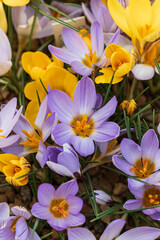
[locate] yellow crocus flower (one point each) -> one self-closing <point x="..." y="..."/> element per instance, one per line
<point x="121" y="63"/>
<point x="14" y="168"/>
<point x="52" y="74"/>
<point x="140" y="20"/>
<point x="10" y="3"/>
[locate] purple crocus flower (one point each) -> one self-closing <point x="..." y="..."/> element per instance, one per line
<point x="80" y="124"/>
<point x="99" y="12"/>
<point x="112" y="230"/>
<point x="8" y="118"/>
<point x="101" y="197"/>
<point x="77" y="53"/>
<point x="15" y="227"/>
<point x="64" y="161"/>
<point x="146" y="195"/>
<point x="30" y="141"/>
<point x="140" y="161"/>
<point x="59" y="207"/>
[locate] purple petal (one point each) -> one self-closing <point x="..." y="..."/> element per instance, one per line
<point x="140" y="233"/>
<point x="115" y="37"/>
<point x="48" y="126"/>
<point x="80" y="234"/>
<point x="63" y="54"/>
<point x="53" y="152"/>
<point x="105" y="19"/>
<point x="75" y="204"/>
<point x="137" y="188"/>
<point x="68" y="149"/>
<point x="62" y="104"/>
<point x="155" y="216"/>
<point x="75" y="220"/>
<point x="60" y="169"/>
<point x="21" y="229"/>
<point x="85" y="96"/>
<point x="41" y="155"/>
<point x="80" y="68"/>
<point x="149" y="144"/>
<point x="113" y="229"/>
<point x="133" y="204"/>
<point x="87" y="13"/>
<point x="123" y="165"/>
<point x="8" y="111"/>
<point x="105" y="112"/>
<point x="99" y="100"/>
<point x="58" y="224"/>
<point x="6" y="142"/>
<point x="74" y="42"/>
<point x="4" y="210"/>
<point x="41" y="212"/>
<point x="156" y="160"/>
<point x="63" y="133"/>
<point x="95" y="5"/>
<point x="42" y="113"/>
<point x="97" y="39"/>
<point x="84" y="146"/>
<point x="130" y="150"/>
<point x="69" y="161"/>
<point x="66" y="189"/>
<point x="21" y="211"/>
<point x="106" y="132"/>
<point x="46" y="194"/>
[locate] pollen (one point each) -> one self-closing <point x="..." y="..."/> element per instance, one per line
<point x="143" y="168"/>
<point x="151" y="197"/>
<point x="82" y="126"/>
<point x="2" y="135"/>
<point x="33" y="140"/>
<point x="59" y="208"/>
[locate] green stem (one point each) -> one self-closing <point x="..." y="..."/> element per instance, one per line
<point x="132" y="88"/>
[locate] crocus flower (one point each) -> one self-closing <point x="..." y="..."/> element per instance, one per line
<point x="140" y="161"/>
<point x="8" y="119"/>
<point x="80" y="124"/>
<point x="77" y="54"/>
<point x="59" y="207"/>
<point x="142" y="26"/>
<point x="99" y="12"/>
<point x="112" y="230"/>
<point x="121" y="62"/>
<point x="32" y="141"/>
<point x="14" y="168"/>
<point x="146" y="195"/>
<point x="15" y="227"/>
<point x="101" y="197"/>
<point x="63" y="161"/>
<point x="22" y="18"/>
<point x="5" y="49"/>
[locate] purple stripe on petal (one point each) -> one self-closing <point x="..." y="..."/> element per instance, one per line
<point x="74" y="42"/>
<point x="123" y="165"/>
<point x="106" y="132"/>
<point x="84" y="146"/>
<point x="58" y="224"/>
<point x="63" y="134"/>
<point x="80" y="68"/>
<point x="149" y="144"/>
<point x="113" y="229"/>
<point x="69" y="161"/>
<point x="80" y="234"/>
<point x="130" y="150"/>
<point x="105" y="19"/>
<point x="147" y="233"/>
<point x="95" y="5"/>
<point x="75" y="204"/>
<point x="66" y="189"/>
<point x="133" y="204"/>
<point x="87" y="13"/>
<point x="75" y="220"/>
<point x="21" y="229"/>
<point x="85" y="96"/>
<point x="105" y="112"/>
<point x="63" y="54"/>
<point x="97" y="39"/>
<point x="62" y="104"/>
<point x="45" y="194"/>
<point x="21" y="211"/>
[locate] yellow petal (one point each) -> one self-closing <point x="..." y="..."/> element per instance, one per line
<point x="57" y="61"/>
<point x="119" y="58"/>
<point x="5" y="158"/>
<point x="156" y="15"/>
<point x="140" y="13"/>
<point x="112" y="47"/>
<point x="30" y="90"/>
<point x="36" y="73"/>
<point x="118" y="14"/>
<point x="32" y="111"/>
<point x="3" y="21"/>
<point x="107" y="76"/>
<point x="122" y="70"/>
<point x="15" y="3"/>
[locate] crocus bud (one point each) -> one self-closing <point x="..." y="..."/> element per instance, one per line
<point x="102" y="198"/>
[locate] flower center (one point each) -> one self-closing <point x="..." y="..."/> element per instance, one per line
<point x="90" y="59"/>
<point x="143" y="168"/>
<point x="82" y="126"/>
<point x="33" y="140"/>
<point x="2" y="135"/>
<point x="59" y="208"/>
<point x="13" y="227"/>
<point x="151" y="197"/>
<point x="17" y="169"/>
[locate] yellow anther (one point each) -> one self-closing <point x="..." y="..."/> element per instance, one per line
<point x="2" y="135"/>
<point x="151" y="200"/>
<point x="150" y="196"/>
